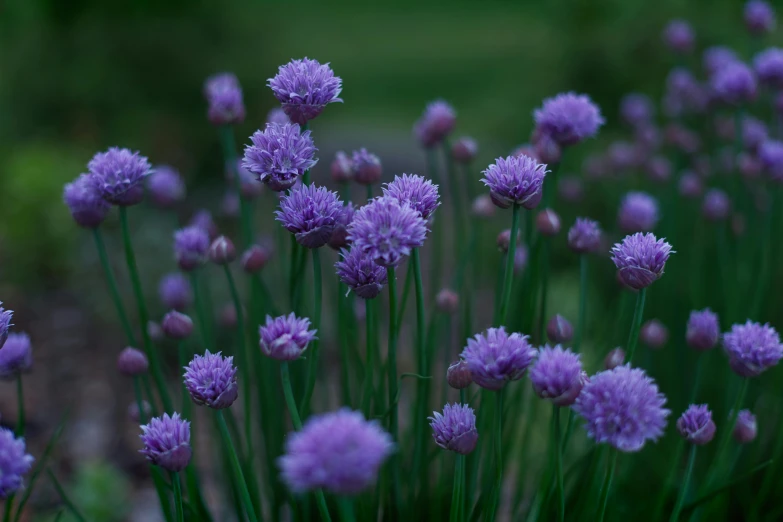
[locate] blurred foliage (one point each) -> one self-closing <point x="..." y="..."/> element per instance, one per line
<point x="100" y="492"/>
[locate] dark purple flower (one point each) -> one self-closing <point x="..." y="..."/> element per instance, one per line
<point x="255" y="258"/>
<point x="703" y="330"/>
<point x="190" y="247"/>
<point x="280" y="155"/>
<point x="366" y="168"/>
<point x="447" y="301"/>
<point x="715" y="58"/>
<point x="768" y="65"/>
<point x="135" y="415"/>
<point x="177" y="325"/>
<point x="464" y="150"/>
<point x="568" y="118"/>
<point x="690" y="185"/>
<point x="14" y="463"/>
<point x="118" y="175"/>
<point x="16" y="356"/>
<point x="716" y="205"/>
<point x="640" y="259"/>
<point x="678" y="36"/>
<point x="504" y="240"/>
<point x="584" y="236"/>
<point x="304" y="87"/>
<point x="339" y="237"/>
<point x="132" y="362"/>
<point x="175" y="292"/>
<point x="637" y="109"/>
<point x="455" y="429"/>
<point x="435" y="124"/>
<point x="249" y="186"/>
<point x="166" y="442"/>
<point x="682" y="138"/>
<point x="386" y="231"/>
<point x="759" y="17"/>
<point x="361" y="273"/>
<point x="622" y="407"/>
<point x="559" y="330"/>
<point x="230" y="205"/>
<point x="496" y="357"/>
<point x="749" y="165"/>
<point x="284" y="338"/>
<point x="734" y="84"/>
<point x="458" y="375"/>
<point x="415" y="191"/>
<point x="515" y="180"/>
<point x="696" y="424"/>
<point x="546" y="149"/>
<point x="746" y="428"/>
<point x="771" y="156"/>
<point x="211" y="380"/>
<point x="165" y="186"/>
<point x="340" y="452"/>
<point x="752" y="348"/>
<point x="342" y="167"/>
<point x="654" y="334"/>
<point x="224" y="95"/>
<point x="310" y="213"/>
<point x="638" y="212"/>
<point x="557" y="375"/>
<point x="87" y="206"/>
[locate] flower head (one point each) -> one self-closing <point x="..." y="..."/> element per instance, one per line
<point x="715" y="58"/>
<point x="280" y="154"/>
<point x="557" y="375"/>
<point x="638" y="212"/>
<point x="654" y="334"/>
<point x="584" y="236"/>
<point x="203" y="219"/>
<point x="175" y="292"/>
<point x="734" y="84"/>
<point x="16" y="356"/>
<point x="310" y="213"/>
<point x="716" y="205"/>
<point x="224" y="95"/>
<point x="746" y="427"/>
<point x="754" y="132"/>
<point x="559" y="329"/>
<point x="416" y="191"/>
<point x="118" y="175"/>
<point x="759" y="17"/>
<point x="637" y="109"/>
<point x="277" y="115"/>
<point x="165" y="186"/>
<point x="703" y="330"/>
<point x="361" y="273"/>
<point x="515" y="180"/>
<point x="166" y="442"/>
<point x="177" y="325"/>
<point x="339" y="237"/>
<point x="211" y="380"/>
<point x="14" y="463"/>
<point x="690" y="185"/>
<point x="684" y="94"/>
<point x="366" y="168"/>
<point x="190" y="247"/>
<point x="340" y="452"/>
<point x="304" y="87"/>
<point x="495" y="357"/>
<point x="622" y="407"/>
<point x="640" y="259"/>
<point x="285" y="338"/>
<point x="341" y="167"/>
<point x="455" y="429"/>
<point x="768" y="65"/>
<point x="386" y="230"/>
<point x="771" y="156"/>
<point x="5" y="323"/>
<point x="752" y="348"/>
<point x="678" y="36"/>
<point x="569" y="118"/>
<point x="696" y="424"/>
<point x="464" y="150"/>
<point x="132" y="362"/>
<point x="458" y="375"/>
<point x="435" y="124"/>
<point x="87" y="206"/>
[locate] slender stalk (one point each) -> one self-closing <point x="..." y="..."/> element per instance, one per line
<point x="345" y="360"/>
<point x="178" y="497"/>
<point x="423" y="386"/>
<point x="64" y="497"/>
<point x="455" y="515"/>
<point x="607" y="486"/>
<point x="112" y="283"/>
<point x="367" y="392"/>
<point x="633" y="336"/>
<point x="436" y="264"/>
<point x="20" y="419"/>
<point x="244" y="492"/>
<point x="406" y="291"/>
<point x="345" y="505"/>
<point x="492" y="505"/>
<point x="228" y="143"/>
<point x="152" y="355"/>
<point x="580" y="324"/>
<point x="9" y="502"/>
<point x="508" y="276"/>
<point x="312" y="360"/>
<point x="544" y="286"/>
<point x="685" y="485"/>
<point x="369" y="192"/>
<point x="717" y="462"/>
<point x="558" y="465"/>
<point x="392" y="376"/>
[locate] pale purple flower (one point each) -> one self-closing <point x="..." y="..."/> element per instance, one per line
<point x="637" y="109"/>
<point x="759" y="17"/>
<point x="678" y="36"/>
<point x="614" y="359"/>
<point x="515" y="180"/>
<point x="366" y="168"/>
<point x="754" y="132"/>
<point x="771" y="156"/>
<point x="623" y="155"/>
<point x="715" y="58"/>
<point x="177" y="325"/>
<point x="132" y="362"/>
<point x="87" y="206"/>
<point x="455" y="429"/>
<point x="277" y="115"/>
<point x="696" y="424"/>
<point x="415" y="191"/>
<point x="190" y="247"/>
<point x="520" y="259"/>
<point x="557" y="375"/>
<point x="640" y="259"/>
<point x="622" y="407"/>
<point x="14" y="463"/>
<point x="340" y="452"/>
<point x="118" y="175"/>
<point x="638" y="212"/>
<point x="310" y="213"/>
<point x="435" y="124"/>
<point x="768" y="65"/>
<point x="584" y="236"/>
<point x="175" y="292"/>
<point x="734" y="84"/>
<point x="703" y="330"/>
<point x="752" y="348"/>
<point x="569" y="118"/>
<point x="280" y="154"/>
<point x="166" y="442"/>
<point x="495" y="357"/>
<point x="224" y="95"/>
<point x="654" y="334"/>
<point x="5" y="323"/>
<point x="304" y="87"/>
<point x="464" y="150"/>
<point x="341" y="167"/>
<point x="716" y="205"/>
<point x="165" y="186"/>
<point x="361" y="273"/>
<point x="746" y="428"/>
<point x="211" y="380"/>
<point x="16" y="356"/>
<point x="339" y="237"/>
<point x="285" y="338"/>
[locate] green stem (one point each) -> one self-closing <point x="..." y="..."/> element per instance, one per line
<point x="670" y="477"/>
<point x="178" y="497"/>
<point x="7" y="511"/>
<point x="509" y="273"/>
<point x="228" y="143"/>
<point x="717" y="463"/>
<point x="492" y="505"/>
<point x="288" y="392"/>
<point x="544" y="287"/>
<point x="20" y="422"/>
<point x="607" y="486"/>
<point x="633" y="336"/>
<point x="370" y="349"/>
<point x="406" y="291"/>
<point x="580" y="324"/>
<point x="369" y="192"/>
<point x="436" y="264"/>
<point x="244" y="493"/>
<point x="345" y="360"/>
<point x="392" y="376"/>
<point x="112" y="282"/>
<point x="685" y="485"/>
<point x="558" y="465"/>
<point x="423" y="386"/>
<point x="64" y="497"/>
<point x="345" y="505"/>
<point x="152" y="355"/>
<point x="312" y="359"/>
<point x="455" y="515"/>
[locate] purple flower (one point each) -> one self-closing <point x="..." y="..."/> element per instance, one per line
<point x="177" y="325"/>
<point x="14" y="463"/>
<point x="166" y="442"/>
<point x="256" y="257"/>
<point x="285" y="338"/>
<point x="716" y="205"/>
<point x="752" y="348"/>
<point x="703" y="330"/>
<point x="754" y="132"/>
<point x="132" y="362"/>
<point x="614" y="359"/>
<point x="690" y="185"/>
<point x="222" y="251"/>
<point x="640" y="259"/>
<point x="5" y="323"/>
<point x="559" y="330"/>
<point x="190" y="247"/>
<point x="638" y="212"/>
<point x="16" y="356"/>
<point x="435" y="124"/>
<point x="515" y="180"/>
<point x="654" y="334"/>
<point x="696" y="424"/>
<point x="339" y="237"/>
<point x="118" y="175"/>
<point x="584" y="236"/>
<point x="568" y="118"/>
<point x="87" y="206"/>
<point x="496" y="357"/>
<point x="304" y="87"/>
<point x="203" y="220"/>
<point x="759" y="17"/>
<point x="684" y="94"/>
<point x="277" y="115"/>
<point x="386" y="231"/>
<point x="310" y="213"/>
<point x="637" y="109"/>
<point x="768" y="65"/>
<point x="734" y="84"/>
<point x="447" y="301"/>
<point x="211" y="380"/>
<point x="416" y="191"/>
<point x="771" y="156"/>
<point x="166" y="186"/>
<point x="678" y="36"/>
<point x="455" y="429"/>
<point x="175" y="292"/>
<point x="622" y="407"/>
<point x="341" y="167"/>
<point x="280" y="155"/>
<point x="746" y="427"/>
<point x="715" y="58"/>
<point x="340" y="452"/>
<point x="366" y="168"/>
<point x="458" y="375"/>
<point x="224" y="95"/>
<point x="659" y="169"/>
<point x="520" y="259"/>
<point x="361" y="273"/>
<point x="464" y="150"/>
<point x="557" y="375"/>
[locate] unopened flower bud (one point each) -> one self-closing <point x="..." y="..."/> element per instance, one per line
<point x="614" y="358"/>
<point x="447" y="301"/>
<point x="483" y="207"/>
<point x="654" y="334"/>
<point x="745" y="429"/>
<point x="255" y="258"/>
<point x="341" y="168"/>
<point x="458" y="375"/>
<point x="133" y="411"/>
<point x="222" y="251"/>
<point x="177" y="325"/>
<point x="504" y="240"/>
<point x="548" y="222"/>
<point x="559" y="330"/>
<point x="132" y="362"/>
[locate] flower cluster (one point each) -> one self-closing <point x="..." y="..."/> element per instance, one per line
<point x="304" y="88"/>
<point x="310" y="213"/>
<point x="386" y="231"/>
<point x="496" y="357"/>
<point x="280" y="155"/>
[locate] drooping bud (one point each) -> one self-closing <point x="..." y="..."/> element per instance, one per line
<point x="458" y="375"/>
